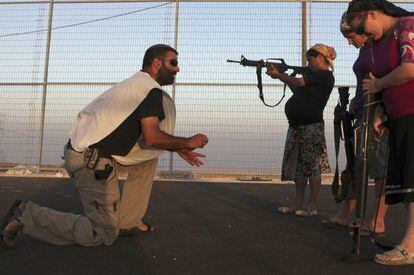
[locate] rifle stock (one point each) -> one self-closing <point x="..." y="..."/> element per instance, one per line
<point x="344" y="129"/>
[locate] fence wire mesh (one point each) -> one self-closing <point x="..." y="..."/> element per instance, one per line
<point x="56" y="56"/>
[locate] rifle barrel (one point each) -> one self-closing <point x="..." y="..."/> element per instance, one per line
<point x="233" y="61"/>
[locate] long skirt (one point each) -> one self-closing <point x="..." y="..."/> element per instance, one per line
<point x="400" y="172"/>
<point x="305" y="152"/>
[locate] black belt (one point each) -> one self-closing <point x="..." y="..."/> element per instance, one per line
<point x="70" y="147"/>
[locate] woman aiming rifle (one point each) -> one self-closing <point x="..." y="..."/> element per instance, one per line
<point x="305" y="157"/>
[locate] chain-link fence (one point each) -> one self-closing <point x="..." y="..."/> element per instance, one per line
<point x="56" y="56"/>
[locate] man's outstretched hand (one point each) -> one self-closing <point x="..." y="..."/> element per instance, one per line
<point x="193" y="158"/>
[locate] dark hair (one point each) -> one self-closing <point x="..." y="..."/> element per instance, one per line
<point x="158" y="50"/>
<point x="357" y="8"/>
<point x="344" y="27"/>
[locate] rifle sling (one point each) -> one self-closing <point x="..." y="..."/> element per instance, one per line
<point x="337" y="138"/>
<point x="260" y="87"/>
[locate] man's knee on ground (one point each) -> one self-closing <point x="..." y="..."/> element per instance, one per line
<point x="87" y="234"/>
<point x="100" y="225"/>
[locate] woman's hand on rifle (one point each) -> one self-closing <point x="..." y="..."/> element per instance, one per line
<point x="291" y="81"/>
<point x="378" y="122"/>
<point x="273" y="72"/>
<point x="371" y="85"/>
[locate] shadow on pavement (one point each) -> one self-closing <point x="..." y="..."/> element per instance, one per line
<point x="201" y="228"/>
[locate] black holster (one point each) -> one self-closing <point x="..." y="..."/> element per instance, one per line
<point x="94" y="162"/>
<point x="104" y="174"/>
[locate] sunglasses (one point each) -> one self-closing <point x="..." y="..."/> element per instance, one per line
<point x="360" y="29"/>
<point x="312" y="52"/>
<point x="172" y="61"/>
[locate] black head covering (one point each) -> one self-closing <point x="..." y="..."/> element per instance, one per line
<point x="357" y="6"/>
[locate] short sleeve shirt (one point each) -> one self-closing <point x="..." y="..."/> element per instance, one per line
<point x="123" y="138"/>
<point x="307" y="103"/>
<point x="404" y="33"/>
<point x="389" y="53"/>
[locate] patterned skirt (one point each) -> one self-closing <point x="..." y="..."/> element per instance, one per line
<point x="305" y="152"/>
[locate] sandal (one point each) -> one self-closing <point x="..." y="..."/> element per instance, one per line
<point x="15" y="212"/>
<point x="135" y="230"/>
<point x="394" y="256"/>
<point x="301" y="213"/>
<point x="306" y="213"/>
<point x="367" y="231"/>
<point x="286" y="210"/>
<point x="333" y="222"/>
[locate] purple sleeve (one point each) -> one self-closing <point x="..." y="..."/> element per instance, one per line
<point x="405" y="36"/>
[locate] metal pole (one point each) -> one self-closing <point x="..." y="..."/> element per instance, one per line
<point x="304" y="33"/>
<point x="177" y="10"/>
<point x="45" y="78"/>
<point x="113" y="83"/>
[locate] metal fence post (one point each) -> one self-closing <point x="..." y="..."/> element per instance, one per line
<point x="45" y="79"/>
<point x="304" y="32"/>
<point x="177" y="10"/>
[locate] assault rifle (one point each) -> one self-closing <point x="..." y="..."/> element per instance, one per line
<point x="344" y="129"/>
<point x="278" y="63"/>
<point x="362" y="173"/>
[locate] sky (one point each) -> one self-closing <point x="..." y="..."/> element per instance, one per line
<point x="103" y="43"/>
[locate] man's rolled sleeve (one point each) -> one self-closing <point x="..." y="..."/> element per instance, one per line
<point x="152" y="105"/>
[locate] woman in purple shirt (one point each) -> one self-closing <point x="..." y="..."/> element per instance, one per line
<point x="392" y="29"/>
<point x="377" y="148"/>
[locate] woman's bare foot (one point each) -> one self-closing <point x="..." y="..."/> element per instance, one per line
<point x="341" y="220"/>
<point x="336" y="221"/>
<point x="378" y="228"/>
<point x="145" y="227"/>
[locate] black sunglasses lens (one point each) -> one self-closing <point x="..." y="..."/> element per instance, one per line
<point x="360" y="30"/>
<point x="174" y="62"/>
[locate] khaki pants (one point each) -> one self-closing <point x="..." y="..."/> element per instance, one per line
<point x="105" y="209"/>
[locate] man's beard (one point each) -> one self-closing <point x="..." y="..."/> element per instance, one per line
<point x="165" y="77"/>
